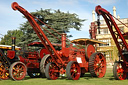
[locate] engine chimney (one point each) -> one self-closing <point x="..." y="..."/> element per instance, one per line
<point x="13" y="43"/>
<point x="63" y="40"/>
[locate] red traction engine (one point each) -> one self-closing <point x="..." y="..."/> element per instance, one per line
<point x="10" y="66"/>
<point x="120" y="68"/>
<point x="69" y="60"/>
<point x="32" y="59"/>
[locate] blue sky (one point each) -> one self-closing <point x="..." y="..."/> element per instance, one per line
<point x="10" y="19"/>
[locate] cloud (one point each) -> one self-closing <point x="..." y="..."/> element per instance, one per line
<point x="102" y="2"/>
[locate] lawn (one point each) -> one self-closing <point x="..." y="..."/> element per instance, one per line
<point x="87" y="80"/>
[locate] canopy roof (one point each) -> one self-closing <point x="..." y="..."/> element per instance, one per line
<point x="8" y="47"/>
<point x="85" y="41"/>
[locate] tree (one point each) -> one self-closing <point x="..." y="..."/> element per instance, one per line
<point x="60" y="21"/>
<point x="7" y="39"/>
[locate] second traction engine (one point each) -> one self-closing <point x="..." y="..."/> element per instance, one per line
<point x="72" y="61"/>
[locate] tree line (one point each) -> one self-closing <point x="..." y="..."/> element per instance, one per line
<point x="56" y="19"/>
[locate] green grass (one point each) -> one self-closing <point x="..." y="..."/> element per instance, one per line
<point x="87" y="80"/>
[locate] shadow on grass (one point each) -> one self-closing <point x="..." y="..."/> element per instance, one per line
<point x="112" y="78"/>
<point x="86" y="76"/>
<point x="27" y="78"/>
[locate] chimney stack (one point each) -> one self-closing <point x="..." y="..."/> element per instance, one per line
<point x="114" y="11"/>
<point x="93" y="16"/>
<point x="63" y="40"/>
<point x="13" y="43"/>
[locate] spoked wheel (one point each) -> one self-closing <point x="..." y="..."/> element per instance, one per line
<point x="52" y="71"/>
<point x="118" y="71"/>
<point x="17" y="71"/>
<point x="44" y="61"/>
<point x="97" y="65"/>
<point x="4" y="74"/>
<point x="73" y="70"/>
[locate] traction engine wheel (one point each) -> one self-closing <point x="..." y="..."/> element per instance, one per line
<point x="97" y="65"/>
<point x="4" y="74"/>
<point x="17" y="71"/>
<point x="44" y="61"/>
<point x="73" y="70"/>
<point x="52" y="71"/>
<point x="118" y="71"/>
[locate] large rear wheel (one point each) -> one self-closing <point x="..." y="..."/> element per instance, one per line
<point x="119" y="71"/>
<point x="97" y="65"/>
<point x="52" y="71"/>
<point x="73" y="70"/>
<point x="17" y="71"/>
<point x="44" y="61"/>
<point x="4" y="73"/>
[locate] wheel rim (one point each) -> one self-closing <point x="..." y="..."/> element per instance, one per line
<point x="99" y="65"/>
<point x="48" y="60"/>
<point x="44" y="61"/>
<point x="4" y="74"/>
<point x="18" y="71"/>
<point x="120" y="72"/>
<point x="75" y="71"/>
<point x="53" y="71"/>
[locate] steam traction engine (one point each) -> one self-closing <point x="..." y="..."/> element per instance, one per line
<point x="32" y="59"/>
<point x="120" y="68"/>
<point x="70" y="60"/>
<point x="10" y="64"/>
